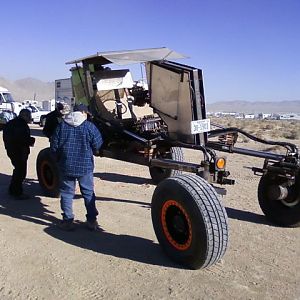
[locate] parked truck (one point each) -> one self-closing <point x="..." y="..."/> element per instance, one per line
<point x="9" y="108"/>
<point x="38" y="114"/>
<point x="8" y="103"/>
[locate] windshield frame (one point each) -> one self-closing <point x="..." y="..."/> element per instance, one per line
<point x="8" y="97"/>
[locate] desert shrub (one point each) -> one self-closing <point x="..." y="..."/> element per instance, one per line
<point x="265" y="129"/>
<point x="268" y="126"/>
<point x="291" y="134"/>
<point x="275" y="148"/>
<point x="243" y="139"/>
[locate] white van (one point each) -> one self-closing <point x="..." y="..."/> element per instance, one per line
<point x="8" y="103"/>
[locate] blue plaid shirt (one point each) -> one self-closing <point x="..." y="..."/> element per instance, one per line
<point x="74" y="147"/>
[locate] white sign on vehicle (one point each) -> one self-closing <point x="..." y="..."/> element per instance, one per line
<point x="200" y="126"/>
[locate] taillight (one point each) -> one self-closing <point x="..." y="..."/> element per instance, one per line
<point x="220" y="163"/>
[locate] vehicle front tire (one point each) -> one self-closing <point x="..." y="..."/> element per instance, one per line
<point x="48" y="173"/>
<point x="159" y="174"/>
<point x="189" y="221"/>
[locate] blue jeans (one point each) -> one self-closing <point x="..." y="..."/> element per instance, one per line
<point x="67" y="191"/>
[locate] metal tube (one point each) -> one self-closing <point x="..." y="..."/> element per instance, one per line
<point x="176" y="165"/>
<point x="135" y="136"/>
<point x="256" y="153"/>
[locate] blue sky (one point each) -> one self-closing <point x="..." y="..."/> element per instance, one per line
<point x="248" y="49"/>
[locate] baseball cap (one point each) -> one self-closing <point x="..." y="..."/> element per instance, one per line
<point x="81" y="107"/>
<point x="59" y="106"/>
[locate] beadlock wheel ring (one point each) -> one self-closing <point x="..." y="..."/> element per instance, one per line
<point x="290" y="204"/>
<point x="45" y="170"/>
<point x="176" y="225"/>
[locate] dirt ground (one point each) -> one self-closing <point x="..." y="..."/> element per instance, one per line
<point x="125" y="261"/>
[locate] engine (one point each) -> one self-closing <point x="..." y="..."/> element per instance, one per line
<point x="150" y="124"/>
<point x="140" y="95"/>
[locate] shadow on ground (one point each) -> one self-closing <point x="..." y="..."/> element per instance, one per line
<point x="123" y="246"/>
<point x="31" y="210"/>
<point x="247" y="216"/>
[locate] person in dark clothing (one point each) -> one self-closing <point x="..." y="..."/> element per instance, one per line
<point x="54" y="118"/>
<point x="17" y="142"/>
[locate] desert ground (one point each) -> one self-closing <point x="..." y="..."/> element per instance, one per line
<point x="124" y="259"/>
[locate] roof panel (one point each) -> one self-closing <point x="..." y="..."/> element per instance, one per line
<point x="127" y="57"/>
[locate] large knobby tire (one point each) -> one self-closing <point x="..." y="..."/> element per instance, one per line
<point x="189" y="221"/>
<point x="159" y="174"/>
<point x="285" y="212"/>
<point x="42" y="121"/>
<point x="48" y="173"/>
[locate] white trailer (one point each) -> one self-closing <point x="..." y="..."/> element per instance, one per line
<point x="48" y="104"/>
<point x="64" y="91"/>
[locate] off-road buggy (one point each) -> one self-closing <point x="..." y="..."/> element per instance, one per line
<point x="189" y="220"/>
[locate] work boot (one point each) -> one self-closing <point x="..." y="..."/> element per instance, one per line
<point x="66" y="225"/>
<point x="92" y="225"/>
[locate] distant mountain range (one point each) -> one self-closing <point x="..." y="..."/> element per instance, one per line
<point x="255" y="107"/>
<point x="30" y="88"/>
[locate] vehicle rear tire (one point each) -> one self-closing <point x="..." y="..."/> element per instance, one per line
<point x="189" y="221"/>
<point x="159" y="174"/>
<point x="48" y="173"/>
<point x="285" y="212"/>
<point x="42" y="121"/>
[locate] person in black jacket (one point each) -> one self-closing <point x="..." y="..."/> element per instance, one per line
<point x="17" y="142"/>
<point x="54" y="118"/>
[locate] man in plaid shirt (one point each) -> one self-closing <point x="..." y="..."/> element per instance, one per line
<point x="74" y="143"/>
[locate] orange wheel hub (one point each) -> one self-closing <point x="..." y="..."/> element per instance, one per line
<point x="176" y="224"/>
<point x="47" y="175"/>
